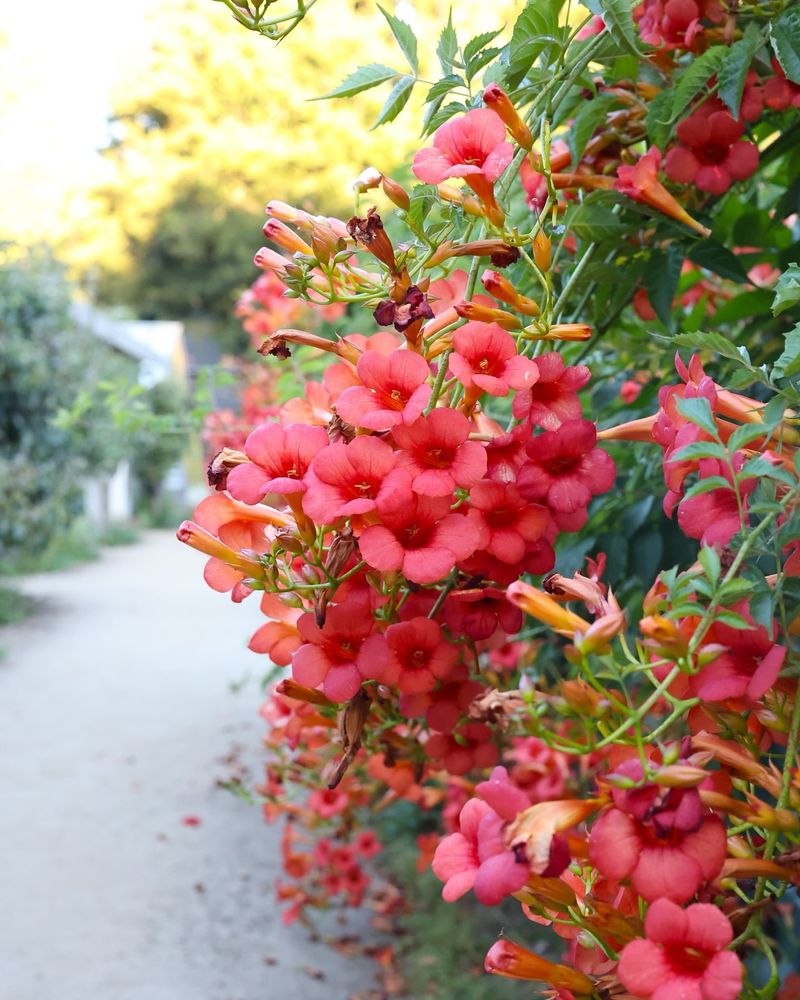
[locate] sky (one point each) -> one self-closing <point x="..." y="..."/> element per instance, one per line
<point x="56" y="74"/>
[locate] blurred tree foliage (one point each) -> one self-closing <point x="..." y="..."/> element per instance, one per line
<point x="45" y="362"/>
<point x="218" y="122"/>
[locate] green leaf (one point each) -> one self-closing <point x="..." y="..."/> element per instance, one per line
<point x="732" y="619"/>
<point x="659" y="118"/>
<point x="618" y="17"/>
<point x="788" y="364"/>
<point x="405" y="38"/>
<point x="362" y="79"/>
<point x="476" y="64"/>
<point x="423" y="197"/>
<point x="755" y="303"/>
<point x="596" y="223"/>
<point x="535" y="29"/>
<point x="694" y="79"/>
<point x="661" y="280"/>
<point x="744" y="435"/>
<point x="733" y="70"/>
<point x="785" y="36"/>
<point x="447" y="49"/>
<point x="787" y="290"/>
<point x="715" y="257"/>
<point x="395" y="102"/>
<point x="761" y="468"/>
<point x="442" y="88"/>
<point x="591" y="114"/>
<point x="474" y="45"/>
<point x="709" y="560"/>
<point x="434" y="117"/>
<point x="712" y="342"/>
<point x="698" y="412"/>
<point x="708" y="485"/>
<point x="699" y="449"/>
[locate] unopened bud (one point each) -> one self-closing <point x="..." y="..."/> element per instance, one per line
<point x="486" y="314"/>
<point x="276" y="231"/>
<point x="679" y="776"/>
<point x="368" y="179"/>
<point x="542" y="253"/>
<point x="396" y="193"/>
<point x="288" y="213"/>
<point x="324" y="242"/>
<point x="501" y="288"/>
<point x="497" y="99"/>
<point x="269" y="260"/>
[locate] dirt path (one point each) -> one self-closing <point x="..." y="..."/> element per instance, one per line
<point x="116" y="716"/>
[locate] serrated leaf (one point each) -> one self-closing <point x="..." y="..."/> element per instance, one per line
<point x="708" y="485"/>
<point x="535" y="29"/>
<point x="476" y="64"/>
<point x="439" y="116"/>
<point x="788" y="364"/>
<point x="785" y="36"/>
<point x="709" y="560"/>
<point x="761" y="468"/>
<point x="442" y="87"/>
<point x="404" y="37"/>
<point x="447" y="49"/>
<point x="733" y="71"/>
<point x="423" y="197"/>
<point x="596" y="223"/>
<point x="694" y="78"/>
<point x="659" y="118"/>
<point x="474" y="45"/>
<point x="590" y="115"/>
<point x="787" y="290"/>
<point x="699" y="449"/>
<point x="732" y="619"/>
<point x="744" y="435"/>
<point x="755" y="303"/>
<point x="618" y="18"/>
<point x="698" y="412"/>
<point x="362" y="79"/>
<point x="711" y="342"/>
<point x="661" y="281"/>
<point x="395" y="102"/>
<point x="715" y="257"/>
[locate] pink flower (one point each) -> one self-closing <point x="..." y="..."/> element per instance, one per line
<point x="748" y="666"/>
<point x="473" y="147"/>
<point x="394" y="391"/>
<point x="554" y="397"/>
<point x="565" y="469"/>
<point x="367" y="844"/>
<point x="714" y="517"/>
<point x="327" y="802"/>
<point x="464" y="749"/>
<point x="780" y="93"/>
<point x="437" y="452"/>
<point x="510" y="522"/>
<point x="348" y="479"/>
<point x="419" y="536"/>
<point x="711" y="154"/>
<point x="477" y="857"/>
<point x="485" y="356"/>
<point x="279" y="458"/>
<point x="341" y="654"/>
<point x="661" y="861"/>
<point x="421" y="654"/>
<point x="683" y="955"/>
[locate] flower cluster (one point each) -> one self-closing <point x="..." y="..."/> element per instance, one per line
<point x="597" y="755"/>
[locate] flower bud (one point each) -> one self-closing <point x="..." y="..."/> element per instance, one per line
<point x="495" y="97"/>
<point x="276" y="231"/>
<point x="396" y="193"/>
<point x="485" y="314"/>
<point x="542" y="253"/>
<point x="288" y="213"/>
<point x="500" y="287"/>
<point x="368" y="179"/>
<point x="505" y="958"/>
<point x="269" y="260"/>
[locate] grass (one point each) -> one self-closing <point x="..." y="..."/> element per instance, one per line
<point x="120" y="533"/>
<point x="14" y="606"/>
<point x="442" y="945"/>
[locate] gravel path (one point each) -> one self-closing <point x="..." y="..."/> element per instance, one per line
<point x="117" y="716"/>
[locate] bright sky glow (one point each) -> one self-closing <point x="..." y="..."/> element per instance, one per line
<point x="57" y="66"/>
